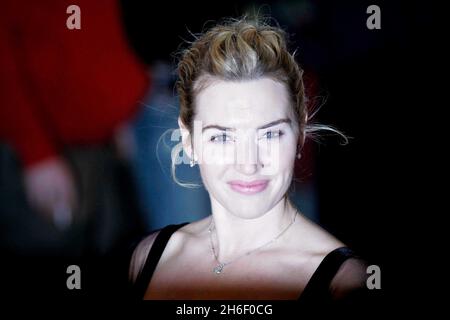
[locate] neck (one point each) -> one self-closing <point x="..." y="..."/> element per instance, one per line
<point x="234" y="236"/>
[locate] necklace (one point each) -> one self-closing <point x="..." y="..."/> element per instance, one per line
<point x="221" y="265"/>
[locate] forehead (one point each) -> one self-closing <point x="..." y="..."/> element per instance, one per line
<point x="243" y="104"/>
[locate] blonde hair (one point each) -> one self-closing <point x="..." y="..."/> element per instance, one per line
<point x="239" y="50"/>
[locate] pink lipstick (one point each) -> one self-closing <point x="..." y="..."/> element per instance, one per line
<point x="250" y="187"/>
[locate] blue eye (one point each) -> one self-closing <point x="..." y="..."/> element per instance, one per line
<point x="220" y="138"/>
<point x="273" y="134"/>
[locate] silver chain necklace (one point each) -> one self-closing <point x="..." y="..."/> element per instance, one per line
<point x="221" y="265"/>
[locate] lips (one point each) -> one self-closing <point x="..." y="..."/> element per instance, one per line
<point x="250" y="187"/>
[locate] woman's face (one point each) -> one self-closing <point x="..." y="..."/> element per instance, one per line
<point x="245" y="141"/>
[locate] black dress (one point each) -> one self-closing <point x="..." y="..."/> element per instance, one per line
<point x="316" y="290"/>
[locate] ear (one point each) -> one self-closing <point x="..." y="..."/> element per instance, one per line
<point x="186" y="138"/>
<point x="302" y="138"/>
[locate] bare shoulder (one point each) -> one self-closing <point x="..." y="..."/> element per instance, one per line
<point x="350" y="278"/>
<point x="351" y="275"/>
<point x="190" y="231"/>
<point x="177" y="242"/>
<point x="314" y="239"/>
<point x="140" y="255"/>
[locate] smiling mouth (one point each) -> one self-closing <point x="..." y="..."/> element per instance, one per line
<point x="249" y="188"/>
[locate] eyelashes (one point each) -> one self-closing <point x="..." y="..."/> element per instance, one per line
<point x="226" y="138"/>
<point x="221" y="138"/>
<point x="273" y="134"/>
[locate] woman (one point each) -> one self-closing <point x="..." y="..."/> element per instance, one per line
<point x="243" y="120"/>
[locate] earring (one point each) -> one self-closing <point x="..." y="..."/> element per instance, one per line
<point x="299" y="151"/>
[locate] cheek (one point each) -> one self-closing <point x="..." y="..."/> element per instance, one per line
<point x="211" y="174"/>
<point x="278" y="156"/>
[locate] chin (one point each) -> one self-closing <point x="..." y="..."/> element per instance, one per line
<point x="249" y="211"/>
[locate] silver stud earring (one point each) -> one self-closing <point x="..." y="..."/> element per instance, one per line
<point x="299" y="155"/>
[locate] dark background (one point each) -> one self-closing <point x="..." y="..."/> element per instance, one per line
<point x="379" y="87"/>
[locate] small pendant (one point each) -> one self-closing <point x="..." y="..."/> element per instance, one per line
<point x="218" y="269"/>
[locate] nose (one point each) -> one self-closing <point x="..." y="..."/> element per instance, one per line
<point x="247" y="156"/>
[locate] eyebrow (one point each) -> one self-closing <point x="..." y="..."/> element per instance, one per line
<point x="215" y="126"/>
<point x="267" y="125"/>
<point x="274" y="123"/>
